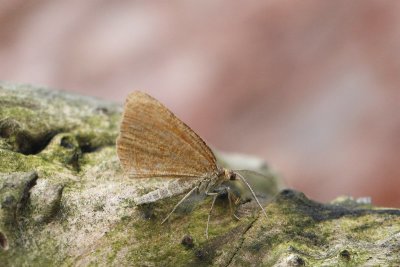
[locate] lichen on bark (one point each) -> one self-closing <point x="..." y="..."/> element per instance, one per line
<point x="65" y="201"/>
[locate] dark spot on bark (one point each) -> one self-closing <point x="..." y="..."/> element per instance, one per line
<point x="87" y="147"/>
<point x="3" y="241"/>
<point x="23" y="202"/>
<point x="74" y="161"/>
<point x="66" y="142"/>
<point x="345" y="254"/>
<point x="298" y="261"/>
<point x="103" y="110"/>
<point x="85" y="144"/>
<point x="202" y="255"/>
<point x="147" y="211"/>
<point x="187" y="241"/>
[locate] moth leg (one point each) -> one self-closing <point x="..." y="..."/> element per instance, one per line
<point x="230" y="196"/>
<point x="180" y="202"/>
<point x="209" y="213"/>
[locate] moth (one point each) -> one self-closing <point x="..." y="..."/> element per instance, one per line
<point x="154" y="143"/>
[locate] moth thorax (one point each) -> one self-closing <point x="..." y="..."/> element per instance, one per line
<point x="229" y="175"/>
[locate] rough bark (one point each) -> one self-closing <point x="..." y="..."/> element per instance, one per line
<point x="64" y="201"/>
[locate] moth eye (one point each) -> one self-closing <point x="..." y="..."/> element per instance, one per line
<point x="232" y="176"/>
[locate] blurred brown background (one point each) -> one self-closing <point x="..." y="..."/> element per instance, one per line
<point x="310" y="86"/>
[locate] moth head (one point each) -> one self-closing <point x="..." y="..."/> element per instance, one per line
<point x="229" y="175"/>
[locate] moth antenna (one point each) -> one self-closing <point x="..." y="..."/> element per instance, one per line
<point x="252" y="192"/>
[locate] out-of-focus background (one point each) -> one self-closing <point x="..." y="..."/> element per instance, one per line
<point x="310" y="86"/>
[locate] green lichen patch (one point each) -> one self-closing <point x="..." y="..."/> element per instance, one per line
<point x="320" y="234"/>
<point x="30" y="117"/>
<point x="64" y="150"/>
<point x="16" y="162"/>
<point x="14" y="202"/>
<point x="141" y="240"/>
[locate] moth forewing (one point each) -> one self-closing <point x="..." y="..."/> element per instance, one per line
<point x="154" y="142"/>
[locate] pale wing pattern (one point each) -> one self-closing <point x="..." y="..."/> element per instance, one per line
<point x="153" y="142"/>
<point x="171" y="188"/>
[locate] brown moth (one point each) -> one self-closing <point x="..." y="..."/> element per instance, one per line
<point x="154" y="143"/>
